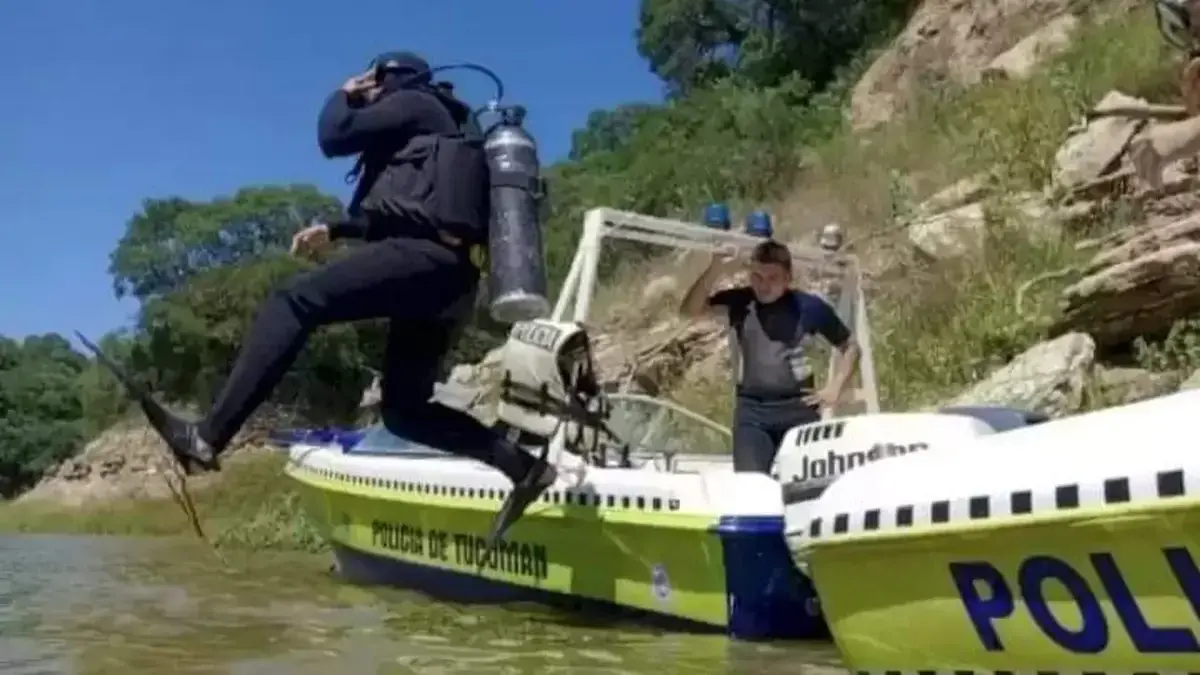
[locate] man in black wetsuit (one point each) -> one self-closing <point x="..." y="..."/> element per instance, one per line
<point x="413" y="269"/>
<point x="776" y="389"/>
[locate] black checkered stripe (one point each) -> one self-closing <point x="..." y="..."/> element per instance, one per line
<point x="1026" y="672"/>
<point x="1163" y="485"/>
<point x="620" y="499"/>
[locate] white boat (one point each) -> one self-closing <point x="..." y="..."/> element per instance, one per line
<point x="991" y="540"/>
<point x="650" y="519"/>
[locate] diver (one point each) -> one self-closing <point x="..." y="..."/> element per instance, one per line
<point x="419" y="206"/>
<point x="775" y="389"/>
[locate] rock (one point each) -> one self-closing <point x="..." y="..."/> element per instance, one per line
<point x="129" y="461"/>
<point x="112" y="466"/>
<point x="1049" y="378"/>
<point x="73" y="470"/>
<point x="1140" y="286"/>
<point x="1191" y="382"/>
<point x="1019" y="62"/>
<point x="653" y="361"/>
<point x="966" y="191"/>
<point x="948" y="234"/>
<point x="1116" y="386"/>
<point x="659" y="289"/>
<point x="1156" y="153"/>
<point x="1078" y="216"/>
<point x="1098" y="147"/>
<point x="963" y="229"/>
<point x="945" y="41"/>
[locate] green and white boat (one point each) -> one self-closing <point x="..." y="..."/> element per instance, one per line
<point x="647" y="517"/>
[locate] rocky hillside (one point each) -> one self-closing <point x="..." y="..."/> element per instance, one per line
<point x="128" y="461"/>
<point x="992" y="276"/>
<point x="961" y="43"/>
<point x="1127" y="270"/>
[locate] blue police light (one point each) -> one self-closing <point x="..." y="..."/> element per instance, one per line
<point x="716" y="215"/>
<point x="758" y="224"/>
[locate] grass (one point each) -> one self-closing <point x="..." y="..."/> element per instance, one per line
<point x="940" y="326"/>
<point x="251" y="507"/>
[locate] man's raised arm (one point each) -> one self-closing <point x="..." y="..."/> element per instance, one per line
<point x="344" y="129"/>
<point x="700" y="301"/>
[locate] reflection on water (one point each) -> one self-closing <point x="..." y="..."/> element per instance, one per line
<point x="107" y="605"/>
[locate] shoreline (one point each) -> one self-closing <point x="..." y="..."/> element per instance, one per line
<point x="250" y="506"/>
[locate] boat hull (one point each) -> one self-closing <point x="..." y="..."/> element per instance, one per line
<point x="1069" y="546"/>
<point x="645" y="558"/>
<point x="1113" y="590"/>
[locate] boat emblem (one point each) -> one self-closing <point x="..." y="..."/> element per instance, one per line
<point x="812" y="607"/>
<point x="660" y="583"/>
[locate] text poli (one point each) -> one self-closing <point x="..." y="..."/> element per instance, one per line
<point x="987" y="597"/>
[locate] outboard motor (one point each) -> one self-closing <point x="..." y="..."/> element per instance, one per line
<point x="517" y="279"/>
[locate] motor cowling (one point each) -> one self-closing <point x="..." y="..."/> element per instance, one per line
<point x="517" y="267"/>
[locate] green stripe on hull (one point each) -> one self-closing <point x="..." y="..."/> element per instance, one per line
<point x="576" y="550"/>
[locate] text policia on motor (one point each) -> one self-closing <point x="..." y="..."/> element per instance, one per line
<point x="462" y="549"/>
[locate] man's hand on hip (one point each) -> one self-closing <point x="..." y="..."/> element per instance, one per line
<point x="825" y="397"/>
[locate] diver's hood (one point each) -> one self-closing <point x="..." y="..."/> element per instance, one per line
<point x="406" y="70"/>
<point x="402" y="69"/>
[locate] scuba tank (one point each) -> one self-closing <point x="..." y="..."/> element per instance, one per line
<point x="517" y="267"/>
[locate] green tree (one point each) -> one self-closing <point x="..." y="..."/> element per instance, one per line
<point x="173" y="239"/>
<point x="40" y="411"/>
<point x="191" y="337"/>
<point x="689" y="43"/>
<point x="201" y="269"/>
<point x="608" y="130"/>
<point x="102" y="399"/>
<point x="693" y="44"/>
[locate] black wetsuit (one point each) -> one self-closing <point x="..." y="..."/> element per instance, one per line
<point x="775" y="374"/>
<point x="405" y="272"/>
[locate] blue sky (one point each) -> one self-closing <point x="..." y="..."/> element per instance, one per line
<point x="106" y="103"/>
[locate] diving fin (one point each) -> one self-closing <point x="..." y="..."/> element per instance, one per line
<point x="179" y="435"/>
<point x="539" y="479"/>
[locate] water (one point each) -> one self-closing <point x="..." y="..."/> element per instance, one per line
<point x="116" y="605"/>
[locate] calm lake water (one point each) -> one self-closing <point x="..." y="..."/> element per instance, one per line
<point x="116" y="605"/>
